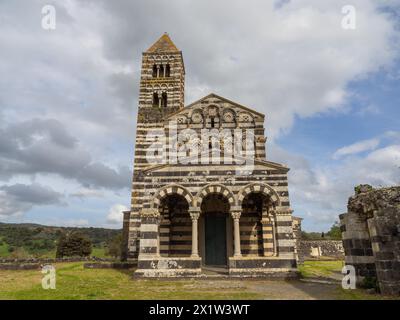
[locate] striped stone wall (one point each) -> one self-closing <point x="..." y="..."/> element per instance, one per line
<point x="159" y="235"/>
<point x="151" y="118"/>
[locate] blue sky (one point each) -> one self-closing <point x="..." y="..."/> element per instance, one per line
<point x="68" y="100"/>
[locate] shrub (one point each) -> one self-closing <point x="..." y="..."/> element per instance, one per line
<point x="114" y="247"/>
<point x="73" y="245"/>
<point x="370" y="283"/>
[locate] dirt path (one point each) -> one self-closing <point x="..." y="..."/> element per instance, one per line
<point x="272" y="289"/>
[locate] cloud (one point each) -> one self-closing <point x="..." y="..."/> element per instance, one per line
<point x="358" y="147"/>
<point x="114" y="215"/>
<point x="320" y="193"/>
<point x="44" y="146"/>
<point x="69" y="101"/>
<point x="18" y="198"/>
<point x="86" y="193"/>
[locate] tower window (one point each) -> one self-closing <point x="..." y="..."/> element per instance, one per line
<point x="155" y="99"/>
<point x="167" y="70"/>
<point x="164" y="100"/>
<point x="161" y="74"/>
<point x="212" y="122"/>
<point x="154" y="71"/>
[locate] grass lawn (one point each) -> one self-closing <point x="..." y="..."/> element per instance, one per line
<point x="75" y="282"/>
<point x="4" y="250"/>
<point x="312" y="269"/>
<point x="99" y="253"/>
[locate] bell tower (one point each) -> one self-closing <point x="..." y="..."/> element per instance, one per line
<point x="162" y="82"/>
<point x="162" y="85"/>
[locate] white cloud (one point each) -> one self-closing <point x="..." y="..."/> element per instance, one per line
<point x="358" y="147"/>
<point x="115" y="213"/>
<point x="86" y="193"/>
<point x="320" y="193"/>
<point x="286" y="59"/>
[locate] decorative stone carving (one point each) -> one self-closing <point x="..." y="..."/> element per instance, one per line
<point x="197" y="118"/>
<point x="245" y="117"/>
<point x="212" y="111"/>
<point x="236" y="214"/>
<point x="194" y="215"/>
<point x="150" y="213"/>
<point x="181" y="120"/>
<point x="228" y="116"/>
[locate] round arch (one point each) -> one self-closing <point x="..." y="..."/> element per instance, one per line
<point x="169" y="190"/>
<point x="258" y="187"/>
<point x="214" y="188"/>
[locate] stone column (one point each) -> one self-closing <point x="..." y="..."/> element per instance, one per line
<point x="274" y="236"/>
<point x="195" y="243"/>
<point x="164" y="69"/>
<point x="236" y="233"/>
<point x="158" y="71"/>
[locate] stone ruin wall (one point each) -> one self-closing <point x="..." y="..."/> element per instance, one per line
<point x="371" y="236"/>
<point x="317" y="249"/>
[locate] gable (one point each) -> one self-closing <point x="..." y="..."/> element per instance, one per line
<point x="214" y="105"/>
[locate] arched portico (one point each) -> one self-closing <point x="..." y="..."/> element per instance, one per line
<point x="258" y="202"/>
<point x="262" y="188"/>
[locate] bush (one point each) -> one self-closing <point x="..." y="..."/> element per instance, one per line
<point x="73" y="245"/>
<point x="114" y="247"/>
<point x="19" y="253"/>
<point x="370" y="283"/>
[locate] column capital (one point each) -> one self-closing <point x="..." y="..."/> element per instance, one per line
<point x="194" y="215"/>
<point x="236" y="214"/>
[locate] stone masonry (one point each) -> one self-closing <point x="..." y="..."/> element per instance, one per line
<point x="371" y="236"/>
<point x="187" y="216"/>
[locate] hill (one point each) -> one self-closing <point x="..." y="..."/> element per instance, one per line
<point x="37" y="240"/>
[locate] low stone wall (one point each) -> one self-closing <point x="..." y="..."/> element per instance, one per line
<point x="168" y="267"/>
<point x="110" y="265"/>
<point x="34" y="264"/>
<point x="53" y="260"/>
<point x="314" y="249"/>
<point x="272" y="267"/>
<point x="20" y="266"/>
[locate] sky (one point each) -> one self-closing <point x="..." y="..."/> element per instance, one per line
<point x="68" y="97"/>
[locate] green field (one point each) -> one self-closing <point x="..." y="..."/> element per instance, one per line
<point x="4" y="250"/>
<point x="75" y="282"/>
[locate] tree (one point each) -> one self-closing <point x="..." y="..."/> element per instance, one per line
<point x="74" y="244"/>
<point x="115" y="246"/>
<point x="335" y="232"/>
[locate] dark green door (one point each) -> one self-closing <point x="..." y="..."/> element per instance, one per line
<point x="215" y="238"/>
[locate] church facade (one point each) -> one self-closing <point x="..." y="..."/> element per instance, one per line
<point x="204" y="195"/>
